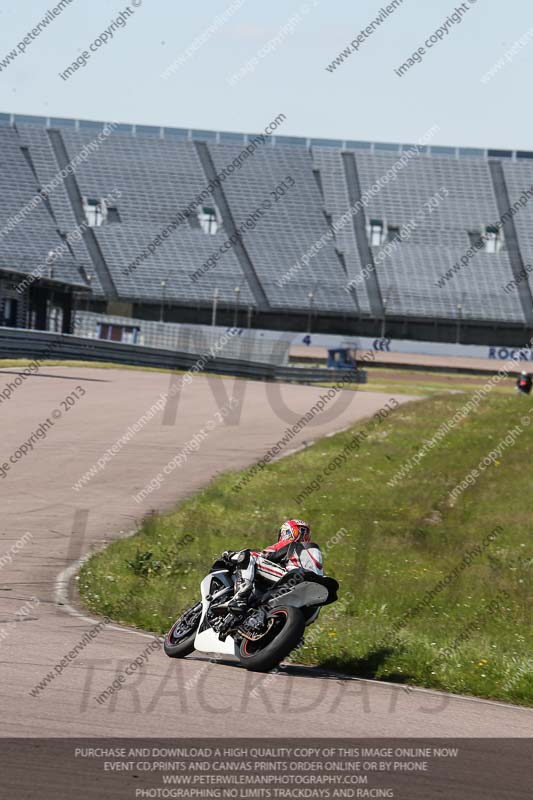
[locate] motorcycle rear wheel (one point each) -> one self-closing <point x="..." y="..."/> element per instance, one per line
<point x="268" y="652"/>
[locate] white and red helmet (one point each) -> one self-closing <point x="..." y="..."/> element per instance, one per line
<point x="294" y="530"/>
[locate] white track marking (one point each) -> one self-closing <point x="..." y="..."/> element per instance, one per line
<point x="64" y="578"/>
<point x="61" y="599"/>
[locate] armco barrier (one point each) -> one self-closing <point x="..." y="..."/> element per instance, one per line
<point x="43" y="345"/>
<point x="317" y="374"/>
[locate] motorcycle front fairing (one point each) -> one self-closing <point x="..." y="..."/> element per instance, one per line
<point x="207" y="640"/>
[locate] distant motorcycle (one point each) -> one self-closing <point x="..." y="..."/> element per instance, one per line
<point x="271" y="628"/>
<point x="523" y="383"/>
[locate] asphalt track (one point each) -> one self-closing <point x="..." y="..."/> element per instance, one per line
<point x="193" y="697"/>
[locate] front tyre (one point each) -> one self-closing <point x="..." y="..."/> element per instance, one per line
<point x="179" y="641"/>
<point x="285" y="629"/>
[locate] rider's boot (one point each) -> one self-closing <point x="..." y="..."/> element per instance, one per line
<point x="237" y="606"/>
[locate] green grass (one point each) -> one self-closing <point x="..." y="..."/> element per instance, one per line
<point x="427" y="382"/>
<point x="430" y="382"/>
<point x="5" y="363"/>
<point x="390" y="380"/>
<point x="400" y="543"/>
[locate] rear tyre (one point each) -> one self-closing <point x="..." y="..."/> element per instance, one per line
<point x="284" y="635"/>
<point x="179" y="641"/>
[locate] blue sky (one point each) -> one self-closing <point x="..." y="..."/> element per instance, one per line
<point x="362" y="99"/>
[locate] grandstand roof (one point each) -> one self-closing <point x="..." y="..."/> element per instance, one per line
<point x="192" y="134"/>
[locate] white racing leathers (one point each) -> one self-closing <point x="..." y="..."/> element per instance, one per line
<point x="273" y="563"/>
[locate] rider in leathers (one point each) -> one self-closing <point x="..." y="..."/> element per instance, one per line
<point x="293" y="550"/>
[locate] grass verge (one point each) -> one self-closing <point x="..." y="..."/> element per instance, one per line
<point x="380" y="379"/>
<point x="473" y="635"/>
<point x="5" y="363"/>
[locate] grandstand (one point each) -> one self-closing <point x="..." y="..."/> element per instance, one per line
<point x="26" y="244"/>
<point x="327" y="251"/>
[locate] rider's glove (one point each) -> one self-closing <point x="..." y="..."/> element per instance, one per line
<point x="236" y="557"/>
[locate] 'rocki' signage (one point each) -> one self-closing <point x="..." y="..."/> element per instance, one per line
<point x="515" y="353"/>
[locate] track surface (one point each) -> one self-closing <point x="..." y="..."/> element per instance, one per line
<point x="168" y="698"/>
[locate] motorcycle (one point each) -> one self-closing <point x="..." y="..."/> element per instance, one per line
<point x="524" y="383"/>
<point x="271" y="628"/>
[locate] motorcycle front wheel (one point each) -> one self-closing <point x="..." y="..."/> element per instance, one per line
<point x="284" y="630"/>
<point x="179" y="641"/>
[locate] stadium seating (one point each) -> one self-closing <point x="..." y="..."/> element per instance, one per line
<point x="292" y="225"/>
<point x="329" y="164"/>
<point x="409" y="284"/>
<point x="159" y="172"/>
<point x="519" y="177"/>
<point x="156" y="180"/>
<point x="465" y="203"/>
<point x="26" y="245"/>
